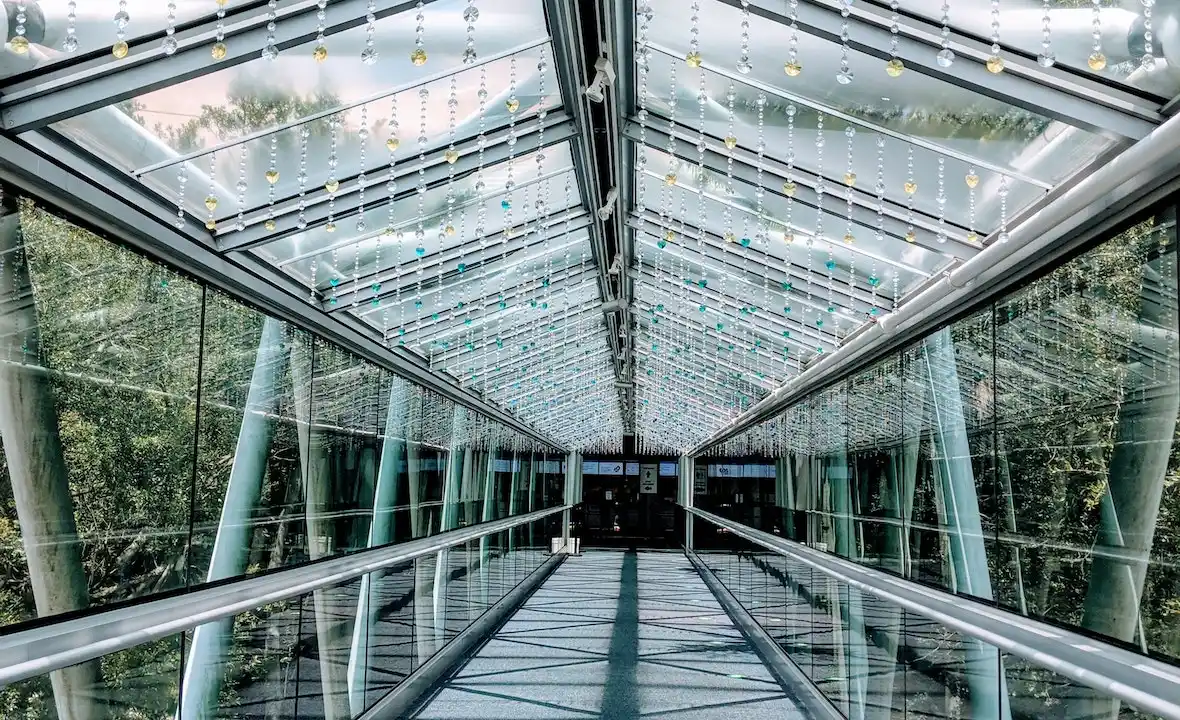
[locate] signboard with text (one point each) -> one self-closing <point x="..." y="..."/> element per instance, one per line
<point x="648" y="479"/>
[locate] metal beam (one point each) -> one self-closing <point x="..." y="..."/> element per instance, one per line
<point x="1053" y="93"/>
<point x="87" y="192"/>
<point x="77" y="89"/>
<point x="435" y="171"/>
<point x="570" y="58"/>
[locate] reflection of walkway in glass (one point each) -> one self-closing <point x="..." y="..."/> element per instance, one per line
<point x="616" y="635"/>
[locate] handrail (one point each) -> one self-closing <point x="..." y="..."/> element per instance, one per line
<point x="36" y="651"/>
<point x="1149" y="685"/>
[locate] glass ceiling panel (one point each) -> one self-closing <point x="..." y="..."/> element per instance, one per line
<point x="351" y="143"/>
<point x="336" y="257"/>
<point x="835" y="153"/>
<point x="94" y="26"/>
<point x="866" y="254"/>
<point x="1019" y="142"/>
<point x="260" y="95"/>
<point x="1071" y="35"/>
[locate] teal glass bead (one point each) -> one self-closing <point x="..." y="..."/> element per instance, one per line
<point x="661" y="244"/>
<point x="831" y="264"/>
<point x="701" y="308"/>
<point x="461" y="267"/>
<point x="419" y="251"/>
<point x="376" y="287"/>
<point x="375" y="302"/>
<point x="334" y="282"/>
<point x="332" y="300"/>
<point x="745" y="242"/>
<point x="787" y="286"/>
<point x="874" y="280"/>
<point x="505" y="204"/>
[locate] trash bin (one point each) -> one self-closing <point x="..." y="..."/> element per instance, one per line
<point x="555" y="545"/>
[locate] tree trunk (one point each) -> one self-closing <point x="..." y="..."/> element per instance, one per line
<point x="37" y="467"/>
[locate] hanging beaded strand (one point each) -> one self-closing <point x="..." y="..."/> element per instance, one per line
<point x="743" y="65"/>
<point x="169" y="44"/>
<point x="270" y="51"/>
<point x="361" y="225"/>
<point x="849" y="183"/>
<point x="219" y="49"/>
<point x="874" y="279"/>
<point x="418" y="55"/>
<point x="1003" y="193"/>
<point x="1046" y="58"/>
<point x="845" y="76"/>
<point x="211" y="198"/>
<point x="941" y="199"/>
<point x="911" y="189"/>
<point x="995" y="63"/>
<point x="301" y="219"/>
<point x="894" y="67"/>
<point x="972" y="180"/>
<point x="181" y="184"/>
<point x="122" y="19"/>
<point x="241" y="188"/>
<point x="791" y="67"/>
<point x="945" y="56"/>
<point x="332" y="185"/>
<point x="70" y="42"/>
<point x="272" y="177"/>
<point x="1147" y="62"/>
<point x="370" y="55"/>
<point x="320" y="51"/>
<point x="1097" y="59"/>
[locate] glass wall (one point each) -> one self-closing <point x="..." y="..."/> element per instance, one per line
<point x="874" y="659"/>
<point x="1026" y="454"/>
<point x="156" y="435"/>
<point x="332" y="653"/>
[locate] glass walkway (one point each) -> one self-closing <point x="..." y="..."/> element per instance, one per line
<point x="502" y="359"/>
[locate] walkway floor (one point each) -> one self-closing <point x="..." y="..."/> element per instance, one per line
<point x="616" y="635"/>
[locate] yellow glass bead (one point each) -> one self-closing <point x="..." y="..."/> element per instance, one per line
<point x="320" y="53"/>
<point x="792" y="69"/>
<point x="270" y="224"/>
<point x="418" y="57"/>
<point x="910" y="187"/>
<point x="272" y="176"/>
<point x="1097" y="61"/>
<point x="19" y="45"/>
<point x="730" y="237"/>
<point x="222" y="3"/>
<point x="450" y="230"/>
<point x="512" y="104"/>
<point x="850" y="179"/>
<point x="451" y="156"/>
<point x="120" y="50"/>
<point x="849" y="239"/>
<point x="972" y="237"/>
<point x="210" y="224"/>
<point x="669" y="235"/>
<point x="731" y="142"/>
<point x="210" y="203"/>
<point x="789" y="237"/>
<point x="670" y="178"/>
<point x="995" y="64"/>
<point x="911" y="236"/>
<point x="789" y="188"/>
<point x="330" y="227"/>
<point x="332" y="185"/>
<point x="392" y="144"/>
<point x="894" y="68"/>
<point x="972" y="180"/>
<point x="693" y="59"/>
<point x="218" y="51"/>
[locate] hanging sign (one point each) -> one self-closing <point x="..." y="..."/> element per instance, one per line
<point x="648" y="479"/>
<point x="700" y="481"/>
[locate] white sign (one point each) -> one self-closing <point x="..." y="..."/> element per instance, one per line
<point x="589" y="467"/>
<point x="610" y="468"/>
<point x="609" y="495"/>
<point x="632" y="468"/>
<point x="668" y="469"/>
<point x="700" y="481"/>
<point x="648" y="479"/>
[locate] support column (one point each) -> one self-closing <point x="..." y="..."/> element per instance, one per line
<point x="37" y="467"/>
<point x="203" y="668"/>
<point x="452" y="478"/>
<point x="960" y="514"/>
<point x="381" y="532"/>
<point x="688" y="474"/>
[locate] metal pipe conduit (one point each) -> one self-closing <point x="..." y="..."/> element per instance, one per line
<point x="36" y="651"/>
<point x="1149" y="685"/>
<point x="1143" y="166"/>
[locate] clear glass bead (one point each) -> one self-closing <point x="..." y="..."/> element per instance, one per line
<point x="946" y="58"/>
